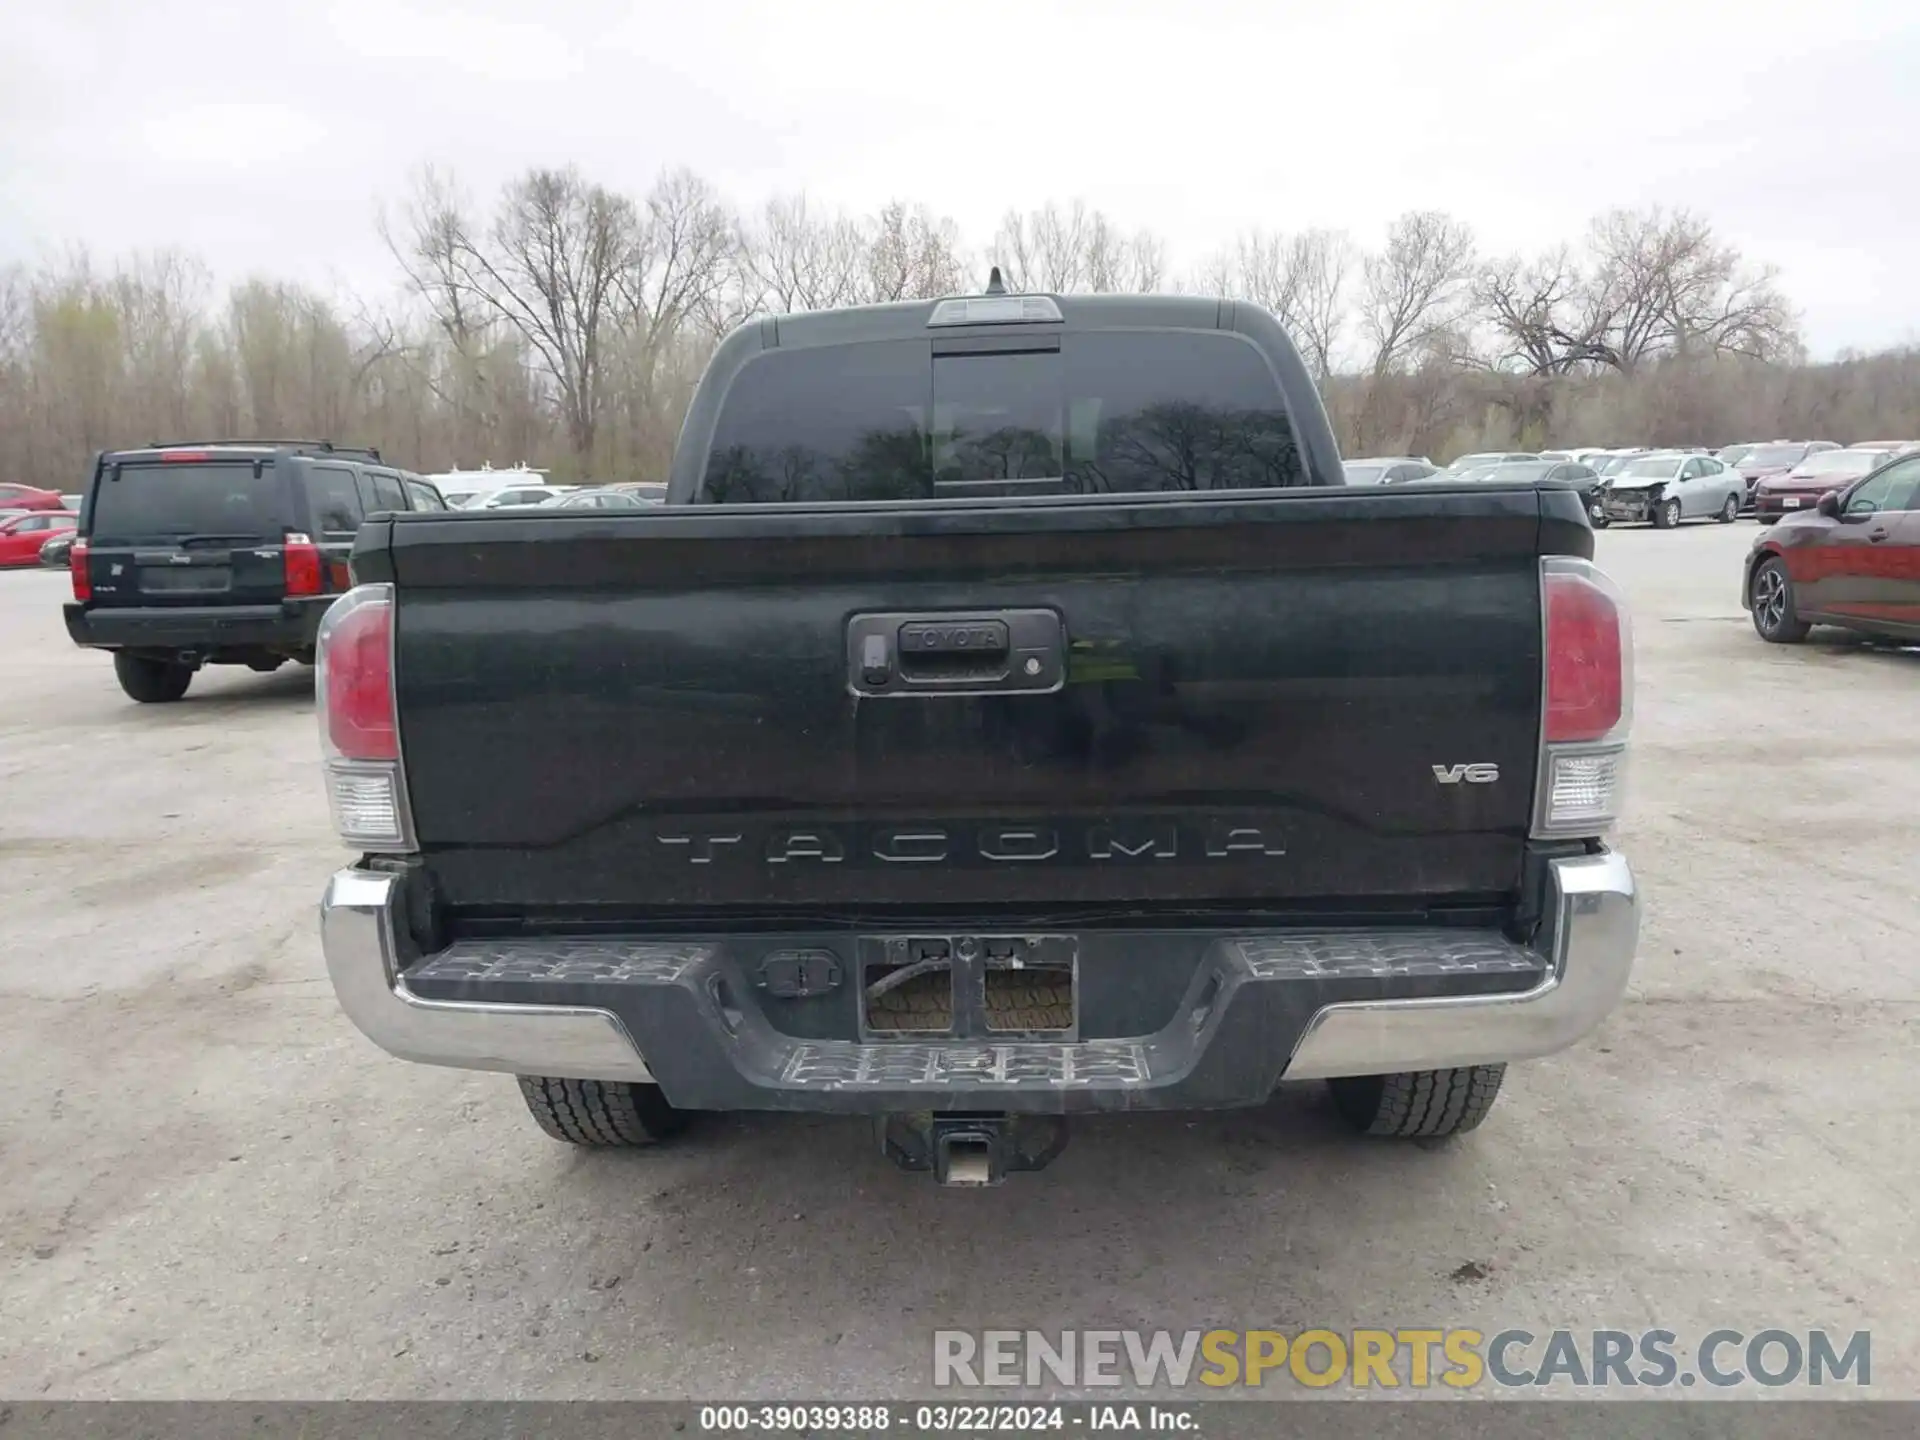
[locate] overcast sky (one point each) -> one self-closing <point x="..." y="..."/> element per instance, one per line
<point x="263" y="139"/>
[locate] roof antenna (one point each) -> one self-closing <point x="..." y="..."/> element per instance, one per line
<point x="995" y="285"/>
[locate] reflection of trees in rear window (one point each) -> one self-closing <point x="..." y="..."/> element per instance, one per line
<point x="1186" y="445"/>
<point x="878" y="465"/>
<point x="1108" y="413"/>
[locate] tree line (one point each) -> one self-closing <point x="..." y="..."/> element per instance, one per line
<point x="564" y="323"/>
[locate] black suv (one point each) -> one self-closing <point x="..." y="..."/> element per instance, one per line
<point x="223" y="552"/>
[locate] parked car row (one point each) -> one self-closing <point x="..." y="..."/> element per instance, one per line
<point x="1662" y="487"/>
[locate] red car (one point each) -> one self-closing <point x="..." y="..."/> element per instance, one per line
<point x="21" y="536"/>
<point x="1853" y="560"/>
<point x="28" y="497"/>
<point x="1777" y="457"/>
<point x="1801" y="487"/>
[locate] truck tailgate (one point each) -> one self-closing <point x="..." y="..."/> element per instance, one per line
<point x="1288" y="700"/>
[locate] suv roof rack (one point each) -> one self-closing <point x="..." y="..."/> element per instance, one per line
<point x="371" y="452"/>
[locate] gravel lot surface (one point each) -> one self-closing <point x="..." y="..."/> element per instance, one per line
<point x="210" y="1185"/>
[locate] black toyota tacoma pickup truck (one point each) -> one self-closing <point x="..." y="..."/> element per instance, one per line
<point x="1009" y="715"/>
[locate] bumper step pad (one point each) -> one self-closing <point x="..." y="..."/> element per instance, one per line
<point x="1254" y="1007"/>
<point x="1250" y="1000"/>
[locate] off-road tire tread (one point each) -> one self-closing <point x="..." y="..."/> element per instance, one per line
<point x="924" y="1003"/>
<point x="600" y="1113"/>
<point x="1030" y="1005"/>
<point x="1419" y="1104"/>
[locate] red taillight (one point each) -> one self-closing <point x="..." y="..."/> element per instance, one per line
<point x="1586" y="665"/>
<point x="77" y="567"/>
<point x="176" y="457"/>
<point x="303" y="568"/>
<point x="358" y="677"/>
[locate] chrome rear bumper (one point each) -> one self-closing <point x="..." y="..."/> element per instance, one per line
<point x="365" y="960"/>
<point x="1584" y="952"/>
<point x="1589" y="944"/>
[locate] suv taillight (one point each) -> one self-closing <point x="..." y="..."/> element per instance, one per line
<point x="301" y="566"/>
<point x="1589" y="701"/>
<point x="359" y="728"/>
<point x="77" y="568"/>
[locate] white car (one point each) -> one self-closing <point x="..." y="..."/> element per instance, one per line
<point x="518" y="497"/>
<point x="1668" y="486"/>
<point x="466" y="489"/>
<point x="1481" y="459"/>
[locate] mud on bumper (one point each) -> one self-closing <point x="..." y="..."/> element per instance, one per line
<point x="1259" y="1008"/>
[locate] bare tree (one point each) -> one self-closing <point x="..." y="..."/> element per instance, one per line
<point x="1662" y="283"/>
<point x="1117" y="262"/>
<point x="1075" y="249"/>
<point x="550" y="265"/>
<point x="1301" y="278"/>
<point x="1323" y="260"/>
<point x="673" y="283"/>
<point x="1413" y="289"/>
<point x="678" y="264"/>
<point x="792" y="258"/>
<point x="1650" y="284"/>
<point x="913" y="254"/>
<point x="1541" y="312"/>
<point x="1259" y="267"/>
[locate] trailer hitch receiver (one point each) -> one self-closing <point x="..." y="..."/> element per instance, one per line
<point x="968" y="1149"/>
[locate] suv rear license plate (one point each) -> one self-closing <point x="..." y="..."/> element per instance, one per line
<point x="187" y="580"/>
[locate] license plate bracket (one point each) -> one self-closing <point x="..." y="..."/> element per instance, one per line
<point x="185" y="580"/>
<point x="971" y="986"/>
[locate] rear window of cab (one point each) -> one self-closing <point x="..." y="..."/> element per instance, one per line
<point x="1093" y="412"/>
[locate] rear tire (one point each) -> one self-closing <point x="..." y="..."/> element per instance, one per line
<point x="1730" y="511"/>
<point x="1418" y="1104"/>
<point x="600" y="1113"/>
<point x="151" y="682"/>
<point x="1770" y="601"/>
<point x="1666" y="515"/>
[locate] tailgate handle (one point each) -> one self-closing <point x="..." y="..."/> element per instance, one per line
<point x="999" y="652"/>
